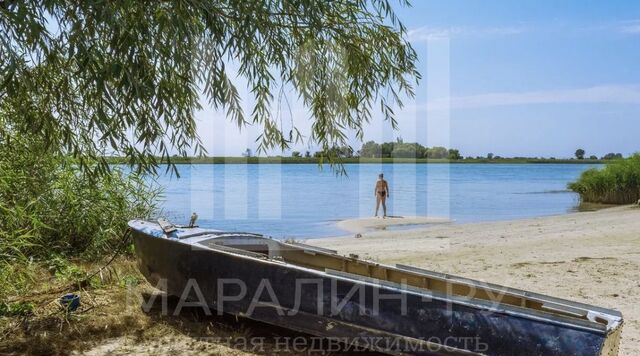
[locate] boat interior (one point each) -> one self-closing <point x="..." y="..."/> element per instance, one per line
<point x="403" y="276"/>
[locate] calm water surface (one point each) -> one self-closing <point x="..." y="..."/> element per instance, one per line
<point x="300" y="200"/>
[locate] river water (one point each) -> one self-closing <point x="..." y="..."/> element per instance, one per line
<point x="302" y="200"/>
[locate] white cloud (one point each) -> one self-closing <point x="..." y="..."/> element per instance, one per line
<point x="617" y="94"/>
<point x="427" y="33"/>
<point x="626" y="27"/>
<point x="630" y="27"/>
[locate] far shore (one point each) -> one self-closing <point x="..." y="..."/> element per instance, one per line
<point x="360" y="160"/>
<point x="591" y="257"/>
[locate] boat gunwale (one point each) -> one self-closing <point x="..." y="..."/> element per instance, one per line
<point x="516" y="292"/>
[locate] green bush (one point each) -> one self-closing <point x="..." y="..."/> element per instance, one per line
<point x="617" y="183"/>
<point x="49" y="208"/>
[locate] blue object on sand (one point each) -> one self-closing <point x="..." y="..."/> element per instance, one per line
<point x="70" y="301"/>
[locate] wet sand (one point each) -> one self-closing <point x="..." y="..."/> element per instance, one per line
<point x="590" y="257"/>
<point x="367" y="224"/>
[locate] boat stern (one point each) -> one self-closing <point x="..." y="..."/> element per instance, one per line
<point x="611" y="344"/>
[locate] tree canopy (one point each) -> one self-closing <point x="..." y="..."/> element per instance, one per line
<point x="400" y="149"/>
<point x="124" y="77"/>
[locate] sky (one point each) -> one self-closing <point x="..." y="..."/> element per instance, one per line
<point x="514" y="78"/>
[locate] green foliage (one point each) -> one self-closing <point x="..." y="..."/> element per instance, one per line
<point x="49" y="208"/>
<point x="16" y="309"/>
<point x="16" y="278"/>
<point x="437" y="153"/>
<point x="295" y="154"/>
<point x="370" y="149"/>
<point x="617" y="183"/>
<point x="339" y="152"/>
<point x="400" y="149"/>
<point x="612" y="155"/>
<point x="125" y="76"/>
<point x="386" y="149"/>
<point x="580" y="153"/>
<point x="407" y="150"/>
<point x="129" y="280"/>
<point x="64" y="270"/>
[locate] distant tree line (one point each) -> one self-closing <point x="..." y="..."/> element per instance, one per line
<point x="401" y="149"/>
<point x="580" y="154"/>
<point x="398" y="149"/>
<point x="342" y="152"/>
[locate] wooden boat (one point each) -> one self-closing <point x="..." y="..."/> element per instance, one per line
<point x="393" y="309"/>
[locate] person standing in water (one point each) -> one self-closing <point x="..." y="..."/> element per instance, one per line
<point x="382" y="193"/>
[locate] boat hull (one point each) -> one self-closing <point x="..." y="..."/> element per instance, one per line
<point x="380" y="317"/>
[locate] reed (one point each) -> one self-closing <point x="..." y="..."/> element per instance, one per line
<point x="49" y="210"/>
<point x="617" y="183"/>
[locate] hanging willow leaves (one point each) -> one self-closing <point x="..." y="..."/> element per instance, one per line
<point x="124" y="77"/>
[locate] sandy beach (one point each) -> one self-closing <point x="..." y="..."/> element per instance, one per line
<point x="378" y="223"/>
<point x="590" y="257"/>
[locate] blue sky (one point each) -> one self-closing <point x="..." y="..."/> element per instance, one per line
<point x="516" y="78"/>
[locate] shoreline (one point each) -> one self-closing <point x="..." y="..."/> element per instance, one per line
<point x="360" y="160"/>
<point x="370" y="224"/>
<point x="411" y="223"/>
<point x="591" y="257"/>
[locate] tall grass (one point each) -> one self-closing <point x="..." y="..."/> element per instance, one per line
<point x="50" y="210"/>
<point x="617" y="183"/>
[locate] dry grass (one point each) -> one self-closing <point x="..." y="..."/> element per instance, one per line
<point x="48" y="329"/>
<point x="111" y="320"/>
